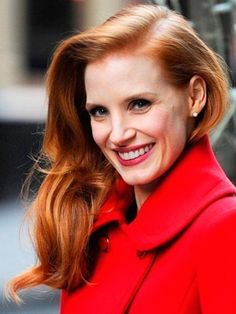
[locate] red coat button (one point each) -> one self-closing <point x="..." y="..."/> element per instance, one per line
<point x="104" y="244"/>
<point x="141" y="254"/>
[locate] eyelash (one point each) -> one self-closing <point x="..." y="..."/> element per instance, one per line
<point x="97" y="111"/>
<point x="100" y="112"/>
<point x="144" y="104"/>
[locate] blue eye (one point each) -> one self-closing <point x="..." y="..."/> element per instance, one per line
<point x="97" y="112"/>
<point x="140" y="104"/>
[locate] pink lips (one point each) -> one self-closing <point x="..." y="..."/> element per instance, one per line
<point x="136" y="160"/>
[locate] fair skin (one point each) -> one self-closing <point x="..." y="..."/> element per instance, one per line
<point x="140" y="122"/>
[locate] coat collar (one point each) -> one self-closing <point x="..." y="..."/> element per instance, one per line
<point x="194" y="182"/>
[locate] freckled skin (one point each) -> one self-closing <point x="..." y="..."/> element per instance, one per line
<point x="109" y="82"/>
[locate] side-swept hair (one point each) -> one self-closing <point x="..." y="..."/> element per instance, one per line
<point x="77" y="175"/>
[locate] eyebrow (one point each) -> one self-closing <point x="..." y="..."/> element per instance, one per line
<point x="128" y="99"/>
<point x="140" y="95"/>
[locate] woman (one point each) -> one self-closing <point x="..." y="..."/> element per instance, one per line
<point x="135" y="214"/>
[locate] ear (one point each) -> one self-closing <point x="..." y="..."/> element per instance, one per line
<point x="197" y="95"/>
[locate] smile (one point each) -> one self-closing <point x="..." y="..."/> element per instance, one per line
<point x="136" y="153"/>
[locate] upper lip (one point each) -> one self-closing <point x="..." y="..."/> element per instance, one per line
<point x="130" y="148"/>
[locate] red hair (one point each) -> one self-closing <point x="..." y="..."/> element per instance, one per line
<point x="77" y="175"/>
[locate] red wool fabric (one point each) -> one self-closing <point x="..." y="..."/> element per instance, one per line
<point x="177" y="256"/>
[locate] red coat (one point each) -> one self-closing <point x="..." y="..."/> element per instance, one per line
<point x="177" y="256"/>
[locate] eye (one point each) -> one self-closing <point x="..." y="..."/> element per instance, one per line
<point x="140" y="104"/>
<point x="97" y="112"/>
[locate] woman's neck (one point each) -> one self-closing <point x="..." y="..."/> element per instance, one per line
<point x="142" y="192"/>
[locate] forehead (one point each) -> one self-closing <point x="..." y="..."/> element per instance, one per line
<point x="122" y="68"/>
<point x="120" y="76"/>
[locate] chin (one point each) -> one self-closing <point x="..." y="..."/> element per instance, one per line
<point x="140" y="180"/>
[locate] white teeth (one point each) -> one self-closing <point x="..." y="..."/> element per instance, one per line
<point x="141" y="151"/>
<point x="134" y="154"/>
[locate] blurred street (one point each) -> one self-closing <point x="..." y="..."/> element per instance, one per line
<point x="16" y="255"/>
<point x="22" y="115"/>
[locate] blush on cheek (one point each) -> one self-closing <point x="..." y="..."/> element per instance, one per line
<point x="96" y="138"/>
<point x="162" y="121"/>
<point x="98" y="135"/>
<point x="156" y="129"/>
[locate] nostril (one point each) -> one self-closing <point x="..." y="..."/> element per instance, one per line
<point x="122" y="136"/>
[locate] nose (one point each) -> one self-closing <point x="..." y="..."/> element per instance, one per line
<point x="121" y="132"/>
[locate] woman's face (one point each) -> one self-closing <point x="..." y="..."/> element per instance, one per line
<point x="138" y="120"/>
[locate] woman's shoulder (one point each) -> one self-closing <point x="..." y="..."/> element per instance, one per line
<point x="217" y="228"/>
<point x="216" y="256"/>
<point x="219" y="214"/>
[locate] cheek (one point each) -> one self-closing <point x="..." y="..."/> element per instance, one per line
<point x="164" y="124"/>
<point x="174" y="120"/>
<point x="156" y="123"/>
<point x="100" y="134"/>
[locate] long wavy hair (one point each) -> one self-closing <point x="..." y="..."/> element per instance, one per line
<point x="77" y="175"/>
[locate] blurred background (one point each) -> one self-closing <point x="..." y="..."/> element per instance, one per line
<point x="30" y="31"/>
